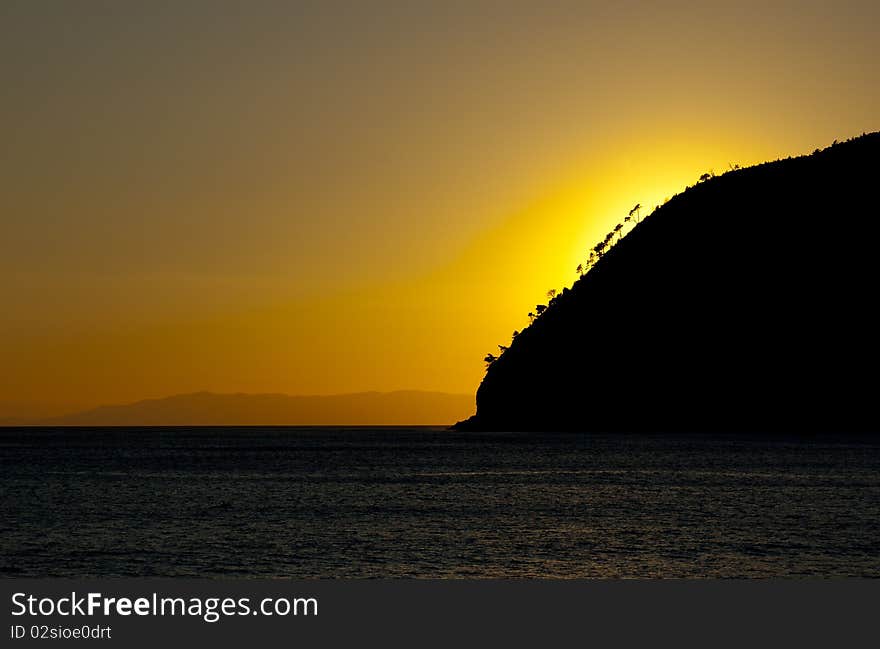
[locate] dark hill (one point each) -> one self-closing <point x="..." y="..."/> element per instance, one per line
<point x="746" y="303"/>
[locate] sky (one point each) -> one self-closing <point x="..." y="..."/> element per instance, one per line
<point x="330" y="197"/>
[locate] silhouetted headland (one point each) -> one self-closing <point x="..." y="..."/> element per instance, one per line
<point x="746" y="303"/>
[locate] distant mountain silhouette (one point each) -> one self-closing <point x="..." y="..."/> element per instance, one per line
<point x="746" y="303"/>
<point x="207" y="409"/>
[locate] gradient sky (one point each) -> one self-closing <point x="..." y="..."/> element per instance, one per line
<point x="325" y="197"/>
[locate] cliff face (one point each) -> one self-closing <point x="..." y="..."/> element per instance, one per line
<point x="746" y="303"/>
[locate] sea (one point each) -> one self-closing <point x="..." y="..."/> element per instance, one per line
<point x="295" y="502"/>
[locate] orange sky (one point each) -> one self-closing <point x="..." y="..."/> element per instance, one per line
<point x="341" y="197"/>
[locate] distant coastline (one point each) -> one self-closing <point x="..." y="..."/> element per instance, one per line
<point x="399" y="408"/>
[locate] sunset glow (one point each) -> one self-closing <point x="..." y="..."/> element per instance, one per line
<point x="199" y="196"/>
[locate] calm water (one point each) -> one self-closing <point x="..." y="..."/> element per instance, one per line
<point x="324" y="502"/>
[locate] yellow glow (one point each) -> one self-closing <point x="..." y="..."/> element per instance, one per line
<point x="427" y="331"/>
<point x="285" y="203"/>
